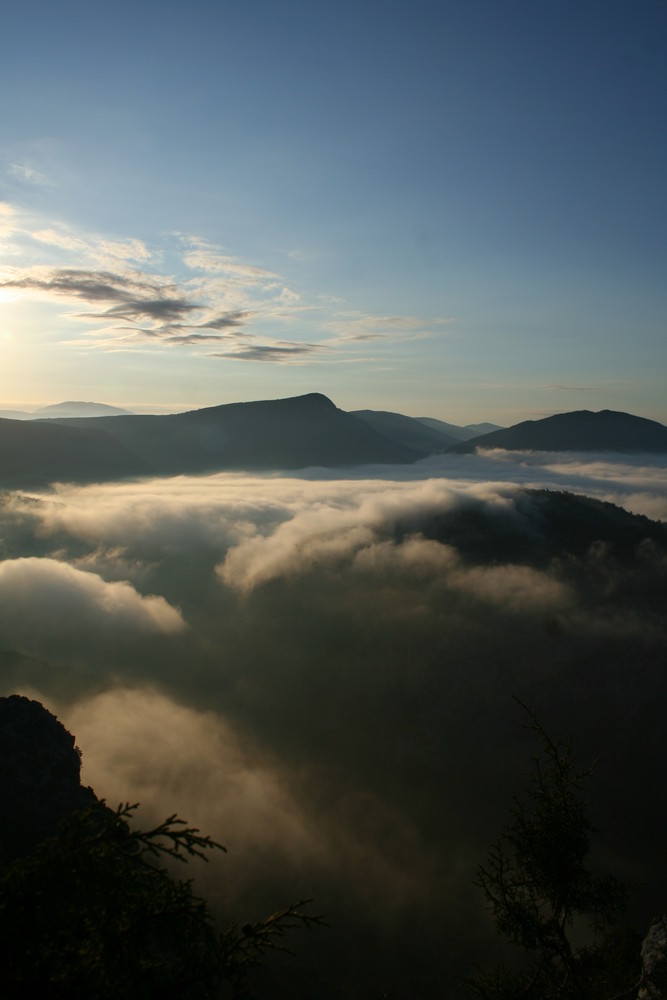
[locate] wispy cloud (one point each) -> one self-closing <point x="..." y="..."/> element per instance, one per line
<point x="357" y="326"/>
<point x="24" y="172"/>
<point x="151" y="306"/>
<point x="134" y="298"/>
<point x="92" y="286"/>
<point x="92" y="248"/>
<point x="128" y="298"/>
<point x="572" y="388"/>
<point x="204" y="256"/>
<point x="8" y="222"/>
<point x="283" y="353"/>
<point x="227" y="321"/>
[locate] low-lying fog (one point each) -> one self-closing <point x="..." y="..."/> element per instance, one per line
<point x="300" y="668"/>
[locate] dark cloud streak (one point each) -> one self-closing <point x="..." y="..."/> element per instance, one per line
<point x="270" y="352"/>
<point x="135" y="300"/>
<point x="89" y="285"/>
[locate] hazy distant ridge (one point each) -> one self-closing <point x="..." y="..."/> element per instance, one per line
<point x="76" y="408"/>
<point x="460" y="433"/>
<point x="408" y="431"/>
<point x="70" y="408"/>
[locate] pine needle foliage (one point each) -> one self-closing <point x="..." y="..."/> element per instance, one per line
<point x="93" y="913"/>
<point x="542" y="893"/>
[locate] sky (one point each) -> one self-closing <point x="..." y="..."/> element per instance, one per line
<point x="442" y="209"/>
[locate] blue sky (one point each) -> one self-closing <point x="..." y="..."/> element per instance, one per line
<point x="446" y="209"/>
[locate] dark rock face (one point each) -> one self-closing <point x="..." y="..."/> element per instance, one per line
<point x="654" y="955"/>
<point x="40" y="782"/>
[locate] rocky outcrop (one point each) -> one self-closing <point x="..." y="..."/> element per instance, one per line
<point x="40" y="776"/>
<point x="654" y="962"/>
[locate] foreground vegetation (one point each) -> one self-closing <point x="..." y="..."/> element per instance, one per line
<point x="93" y="912"/>
<point x="546" y="900"/>
<point x="96" y="910"/>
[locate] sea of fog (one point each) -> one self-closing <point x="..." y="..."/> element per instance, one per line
<point x="333" y="699"/>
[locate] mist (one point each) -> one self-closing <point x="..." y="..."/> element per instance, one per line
<point x="319" y="671"/>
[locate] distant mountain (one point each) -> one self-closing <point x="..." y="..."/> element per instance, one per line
<point x="35" y="453"/>
<point x="72" y="408"/>
<point x="460" y="433"/>
<point x="273" y="434"/>
<point x="407" y="431"/>
<point x="15" y="415"/>
<point x="581" y="430"/>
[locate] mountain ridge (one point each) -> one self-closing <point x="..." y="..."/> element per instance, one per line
<point x="264" y="435"/>
<point x="576" y="430"/>
<point x="292" y="433"/>
<point x="409" y="431"/>
<point x="463" y="433"/>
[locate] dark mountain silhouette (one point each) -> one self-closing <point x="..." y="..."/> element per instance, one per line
<point x="282" y="434"/>
<point x="33" y="453"/>
<point x="460" y="433"/>
<point x="407" y="431"/>
<point x="73" y="408"/>
<point x="288" y="433"/>
<point x="581" y="430"/>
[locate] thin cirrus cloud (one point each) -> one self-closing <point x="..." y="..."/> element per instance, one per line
<point x="573" y="388"/>
<point x="132" y="299"/>
<point x="149" y="307"/>
<point x="27" y="174"/>
<point x="208" y="297"/>
<point x="202" y="255"/>
<point x="94" y="248"/>
<point x="91" y="286"/>
<point x="282" y="353"/>
<point x="357" y="326"/>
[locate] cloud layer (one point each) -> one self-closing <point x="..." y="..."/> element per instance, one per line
<point x="47" y="605"/>
<point x="319" y="672"/>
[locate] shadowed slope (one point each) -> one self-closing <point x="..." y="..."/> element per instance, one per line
<point x="459" y="433"/>
<point x="34" y="454"/>
<point x="408" y="432"/>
